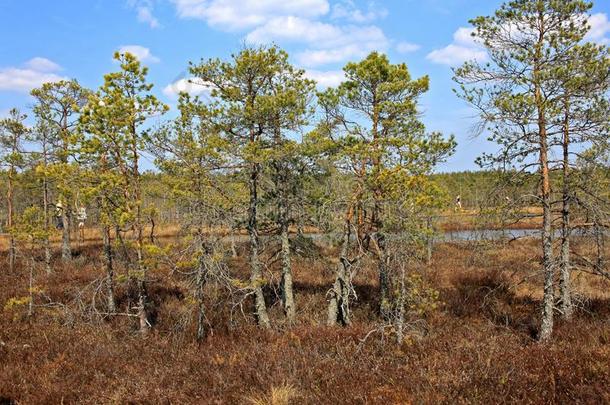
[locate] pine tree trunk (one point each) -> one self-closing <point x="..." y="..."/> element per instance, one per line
<point x="546" y="328"/>
<point x="46" y="243"/>
<point x="199" y="294"/>
<point x="338" y="305"/>
<point x="385" y="304"/>
<point x="287" y="288"/>
<point x="400" y="304"/>
<point x="599" y="243"/>
<point x="142" y="309"/>
<point x="564" y="280"/>
<point x="109" y="270"/>
<point x="12" y="250"/>
<point x="45" y="207"/>
<point x="256" y="276"/>
<point x="281" y="179"/>
<point x="66" y="249"/>
<point x="429" y="241"/>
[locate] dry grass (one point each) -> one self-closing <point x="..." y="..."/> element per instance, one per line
<point x="477" y="348"/>
<point x="284" y="394"/>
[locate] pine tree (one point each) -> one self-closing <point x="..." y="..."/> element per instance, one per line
<point x="527" y="42"/>
<point x="373" y="119"/>
<point x="13" y="132"/>
<point x="114" y="121"/>
<point x="57" y="110"/>
<point x="258" y="97"/>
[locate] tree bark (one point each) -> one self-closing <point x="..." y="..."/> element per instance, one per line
<point x="400" y="310"/>
<point x="599" y="243"/>
<point x="282" y="185"/>
<point x="287" y="288"/>
<point x="546" y="327"/>
<point x="256" y="276"/>
<point x="66" y="249"/>
<point x="199" y="293"/>
<point x="338" y="306"/>
<point x="429" y="241"/>
<point x="565" y="292"/>
<point x="385" y="304"/>
<point x="45" y="207"/>
<point x="109" y="269"/>
<point x="145" y="324"/>
<point x="46" y="243"/>
<point x="12" y="249"/>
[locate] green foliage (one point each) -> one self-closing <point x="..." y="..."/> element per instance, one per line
<point x="30" y="226"/>
<point x="13" y="133"/>
<point x="113" y="121"/>
<point x="535" y="51"/>
<point x="371" y="129"/>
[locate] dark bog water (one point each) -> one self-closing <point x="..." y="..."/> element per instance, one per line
<point x="496" y="234"/>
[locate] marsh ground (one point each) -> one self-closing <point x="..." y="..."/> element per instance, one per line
<point x="477" y="347"/>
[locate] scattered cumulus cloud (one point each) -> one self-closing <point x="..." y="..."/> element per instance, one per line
<point x="406" y="47"/>
<point x="33" y="74"/>
<point x="145" y="16"/>
<point x="599" y="28"/>
<point x="324" y="43"/>
<point x="346" y="9"/>
<point x="234" y="15"/>
<point x="143" y="54"/>
<point x="144" y="10"/>
<point x="293" y="29"/>
<point x="325" y="79"/>
<point x="187" y="85"/>
<point x="39" y="64"/>
<point x="313" y="57"/>
<point x="464" y="48"/>
<point x="320" y="33"/>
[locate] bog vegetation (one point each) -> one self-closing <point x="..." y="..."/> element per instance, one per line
<point x="288" y="246"/>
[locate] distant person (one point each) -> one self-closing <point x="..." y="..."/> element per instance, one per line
<point x="81" y="216"/>
<point x="59" y="213"/>
<point x="458" y="203"/>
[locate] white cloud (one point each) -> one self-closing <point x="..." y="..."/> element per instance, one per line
<point x="325" y="79"/>
<point x="345" y="37"/>
<point x="464" y="36"/>
<point x="144" y="8"/>
<point x="325" y="43"/>
<point x="188" y="85"/>
<point x="352" y="42"/>
<point x="36" y="72"/>
<point x="406" y="47"/>
<point x="465" y="47"/>
<point x="293" y="29"/>
<point x="42" y="65"/>
<point x="454" y="55"/>
<point x="346" y="9"/>
<point x="600" y="26"/>
<point x="243" y="14"/>
<point x="145" y="16"/>
<point x="143" y="54"/>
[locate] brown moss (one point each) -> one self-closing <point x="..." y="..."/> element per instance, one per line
<point x="479" y="346"/>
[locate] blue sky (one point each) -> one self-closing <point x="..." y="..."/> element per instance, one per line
<point x="47" y="40"/>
